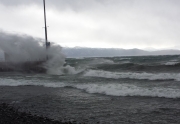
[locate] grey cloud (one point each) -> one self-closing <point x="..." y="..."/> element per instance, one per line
<point x="135" y="22"/>
<point x="17" y="2"/>
<point x="72" y="4"/>
<point x="102" y="5"/>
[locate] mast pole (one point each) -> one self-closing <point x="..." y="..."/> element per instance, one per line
<point x="46" y="39"/>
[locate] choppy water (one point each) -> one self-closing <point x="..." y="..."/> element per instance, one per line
<point x="142" y="89"/>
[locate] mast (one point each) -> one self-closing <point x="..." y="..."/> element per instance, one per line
<point x="46" y="39"/>
<point x="45" y="22"/>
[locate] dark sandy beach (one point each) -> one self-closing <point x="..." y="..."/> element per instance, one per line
<point x="10" y="115"/>
<point x="71" y="105"/>
<point x="12" y="112"/>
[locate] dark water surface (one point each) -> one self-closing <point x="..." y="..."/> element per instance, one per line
<point x="117" y="90"/>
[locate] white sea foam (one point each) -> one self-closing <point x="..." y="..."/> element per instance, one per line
<point x="113" y="89"/>
<point x="33" y="82"/>
<point x="129" y="90"/>
<point x="123" y="58"/>
<point x="97" y="61"/>
<point x="10" y="82"/>
<point x="171" y="63"/>
<point x="133" y="75"/>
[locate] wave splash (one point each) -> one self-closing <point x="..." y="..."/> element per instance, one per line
<point x="23" y="48"/>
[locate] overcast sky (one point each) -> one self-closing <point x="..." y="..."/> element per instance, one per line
<point x="97" y="23"/>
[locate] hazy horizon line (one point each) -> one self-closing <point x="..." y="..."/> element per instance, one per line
<point x="146" y="49"/>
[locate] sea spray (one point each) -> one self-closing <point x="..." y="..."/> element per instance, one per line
<point x="56" y="62"/>
<point x="24" y="48"/>
<point x="21" y="48"/>
<point x="2" y="57"/>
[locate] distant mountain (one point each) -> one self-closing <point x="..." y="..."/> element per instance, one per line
<point x="110" y="52"/>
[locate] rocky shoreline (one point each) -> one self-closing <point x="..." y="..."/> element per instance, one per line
<point x="10" y="115"/>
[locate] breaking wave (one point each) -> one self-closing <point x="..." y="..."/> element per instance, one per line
<point x="163" y="67"/>
<point x="131" y="75"/>
<point x="129" y="90"/>
<point x="112" y="89"/>
<point x="172" y="62"/>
